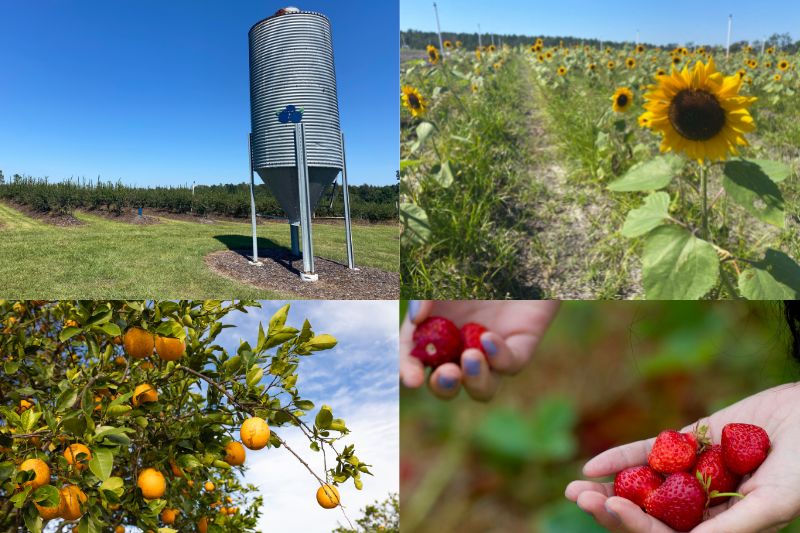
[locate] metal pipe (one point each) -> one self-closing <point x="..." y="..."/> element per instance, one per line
<point x="294" y="233"/>
<point x="305" y="202"/>
<point x="728" y="45"/>
<point x="252" y="200"/>
<point x="439" y="31"/>
<point x="347" y="227"/>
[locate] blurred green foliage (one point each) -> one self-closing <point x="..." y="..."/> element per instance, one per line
<point x="607" y="373"/>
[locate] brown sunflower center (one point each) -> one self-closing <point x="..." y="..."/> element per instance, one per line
<point x="696" y="114"/>
<point x="413" y="101"/>
<point x="622" y="100"/>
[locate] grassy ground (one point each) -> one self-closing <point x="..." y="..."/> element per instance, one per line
<point x="107" y="259"/>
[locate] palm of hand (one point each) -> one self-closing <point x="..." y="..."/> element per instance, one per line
<point x="771" y="498"/>
<point x="501" y="317"/>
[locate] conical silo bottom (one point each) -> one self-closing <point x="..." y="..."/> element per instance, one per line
<point x="282" y="181"/>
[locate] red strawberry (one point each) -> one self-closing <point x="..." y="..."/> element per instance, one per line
<point x="673" y="452"/>
<point x="437" y="341"/>
<point x="744" y="447"/>
<point x="471" y="335"/>
<point x="679" y="502"/>
<point x="636" y="483"/>
<point x="711" y="467"/>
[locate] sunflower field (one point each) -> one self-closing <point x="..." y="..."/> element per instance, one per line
<point x="624" y="171"/>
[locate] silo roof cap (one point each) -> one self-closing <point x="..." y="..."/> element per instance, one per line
<point x="288" y="11"/>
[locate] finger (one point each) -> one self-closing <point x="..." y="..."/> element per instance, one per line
<point x="619" y="458"/>
<point x="575" y="489"/>
<point x="501" y="357"/>
<point x="478" y="379"/>
<point x="412" y="371"/>
<point x="445" y="381"/>
<point x="419" y="310"/>
<point x="594" y="503"/>
<point x="751" y="513"/>
<point x="633" y="518"/>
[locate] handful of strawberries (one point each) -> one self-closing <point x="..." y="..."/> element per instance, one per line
<point x="438" y="340"/>
<point x="686" y="474"/>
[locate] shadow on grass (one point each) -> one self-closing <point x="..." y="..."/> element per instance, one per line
<point x="267" y="249"/>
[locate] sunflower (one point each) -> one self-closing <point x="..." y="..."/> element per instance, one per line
<point x="783" y="65"/>
<point x="413" y="100"/>
<point x="645" y="119"/>
<point x="768" y="64"/>
<point x="770" y="50"/>
<point x="676" y="60"/>
<point x="776" y="77"/>
<point x="660" y="72"/>
<point x="700" y="112"/>
<point x="549" y="55"/>
<point x="562" y="70"/>
<point x="639" y="48"/>
<point x="622" y="100"/>
<point x="741" y="72"/>
<point x="752" y="63"/>
<point x="630" y="62"/>
<point x="492" y="48"/>
<point x="610" y="65"/>
<point x="540" y="58"/>
<point x="447" y="44"/>
<point x="533" y="49"/>
<point x="592" y="67"/>
<point x="478" y="53"/>
<point x="433" y="54"/>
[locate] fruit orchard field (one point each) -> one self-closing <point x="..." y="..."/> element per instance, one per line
<point x="107" y="259"/>
<point x="522" y="178"/>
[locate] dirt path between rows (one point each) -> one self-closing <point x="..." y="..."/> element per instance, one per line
<point x="566" y="222"/>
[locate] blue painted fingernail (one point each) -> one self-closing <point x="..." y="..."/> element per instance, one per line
<point x="472" y="367"/>
<point x="446" y="382"/>
<point x="413" y="309"/>
<point x="489" y="347"/>
<point x="613" y="514"/>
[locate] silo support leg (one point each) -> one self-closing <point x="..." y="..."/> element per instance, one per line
<point x="255" y="260"/>
<point x="294" y="232"/>
<point x="347" y="226"/>
<point x="305" y="206"/>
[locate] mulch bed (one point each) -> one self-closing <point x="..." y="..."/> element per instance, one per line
<point x="47" y="218"/>
<point x="128" y="217"/>
<point x="281" y="272"/>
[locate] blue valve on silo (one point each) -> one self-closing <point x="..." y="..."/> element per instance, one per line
<point x="290" y="114"/>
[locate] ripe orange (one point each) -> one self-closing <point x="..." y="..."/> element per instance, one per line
<point x="138" y="343"/>
<point x="49" y="513"/>
<point x="168" y="516"/>
<point x="209" y="486"/>
<point x="147" y="365"/>
<point x="72" y="453"/>
<point x="328" y="496"/>
<point x="144" y="393"/>
<point x="152" y="483"/>
<point x="71" y="324"/>
<point x="119" y="361"/>
<point x="202" y="525"/>
<point x="234" y="453"/>
<point x="169" y="349"/>
<point x="254" y="433"/>
<point x="175" y="470"/>
<point x="74" y="500"/>
<point x="41" y="473"/>
<point x="24" y="405"/>
<point x="119" y="529"/>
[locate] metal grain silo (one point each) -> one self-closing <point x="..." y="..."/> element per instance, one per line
<point x="291" y="64"/>
<point x="296" y="143"/>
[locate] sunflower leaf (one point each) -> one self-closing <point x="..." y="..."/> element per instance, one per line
<point x="652" y="214"/>
<point x="676" y="265"/>
<point x="416" y="228"/>
<point x="424" y="130"/>
<point x="748" y="184"/>
<point x="776" y="277"/>
<point x="650" y="175"/>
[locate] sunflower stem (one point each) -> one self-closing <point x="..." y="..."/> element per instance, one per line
<point x="704" y="194"/>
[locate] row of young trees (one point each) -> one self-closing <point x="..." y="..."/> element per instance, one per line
<point x="367" y="202"/>
<point x="117" y="414"/>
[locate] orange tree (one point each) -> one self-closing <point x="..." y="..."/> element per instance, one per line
<point x="117" y="414"/>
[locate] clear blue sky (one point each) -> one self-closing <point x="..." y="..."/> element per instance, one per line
<point x="157" y="92"/>
<point x="658" y="22"/>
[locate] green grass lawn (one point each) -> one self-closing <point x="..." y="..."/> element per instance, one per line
<point x="107" y="259"/>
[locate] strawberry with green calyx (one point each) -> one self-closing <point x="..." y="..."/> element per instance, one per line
<point x="721" y="481"/>
<point x="712" y="494"/>
<point x="673" y="452"/>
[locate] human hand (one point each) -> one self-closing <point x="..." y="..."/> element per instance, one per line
<point x="514" y="331"/>
<point x="771" y="499"/>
